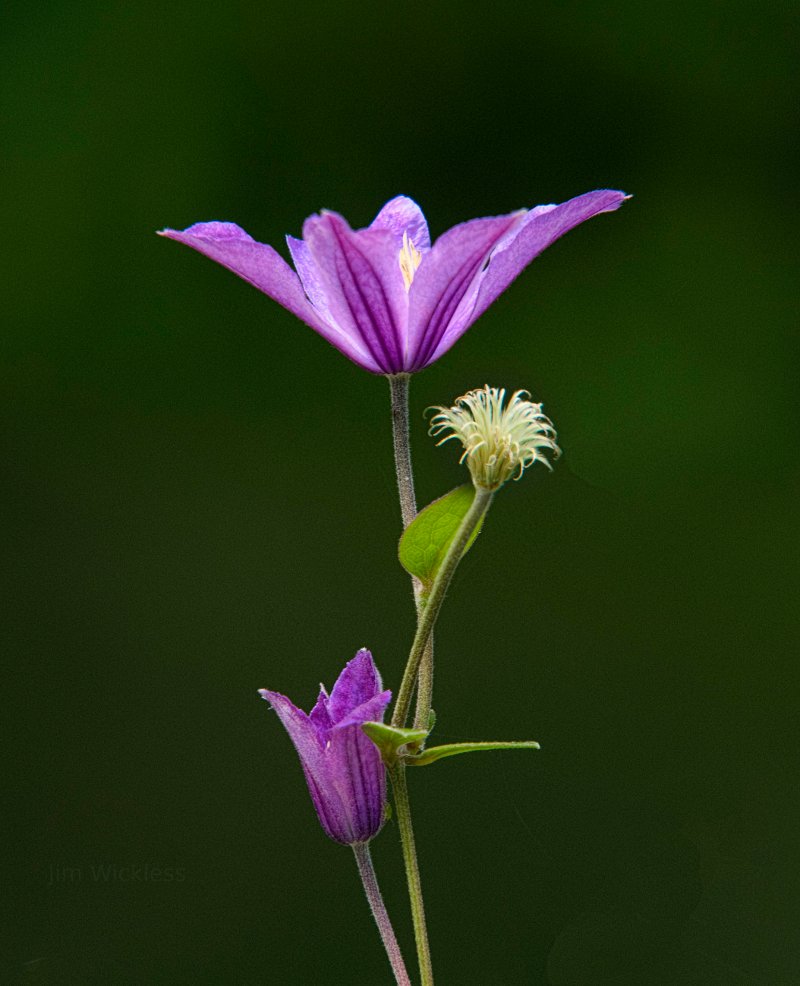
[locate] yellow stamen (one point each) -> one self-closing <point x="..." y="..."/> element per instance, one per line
<point x="410" y="258"/>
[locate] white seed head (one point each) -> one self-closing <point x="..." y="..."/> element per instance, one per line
<point x="498" y="441"/>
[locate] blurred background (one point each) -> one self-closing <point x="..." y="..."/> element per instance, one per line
<point x="200" y="501"/>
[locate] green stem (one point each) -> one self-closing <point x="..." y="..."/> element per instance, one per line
<point x="403" y="815"/>
<point x="373" y="891"/>
<point x="398" y="386"/>
<point x="430" y="612"/>
<point x="422" y="714"/>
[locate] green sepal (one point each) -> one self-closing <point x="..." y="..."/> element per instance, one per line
<point x="434" y="753"/>
<point x="425" y="541"/>
<point x="392" y="741"/>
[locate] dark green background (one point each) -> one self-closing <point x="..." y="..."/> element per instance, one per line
<point x="200" y="493"/>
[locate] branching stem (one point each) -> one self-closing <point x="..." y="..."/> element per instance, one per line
<point x="399" y="386"/>
<point x="430" y="612"/>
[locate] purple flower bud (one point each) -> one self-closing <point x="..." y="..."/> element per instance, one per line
<point x="344" y="771"/>
<point x="383" y="296"/>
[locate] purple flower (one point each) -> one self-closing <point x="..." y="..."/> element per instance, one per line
<point x="383" y="296"/>
<point x="344" y="771"/>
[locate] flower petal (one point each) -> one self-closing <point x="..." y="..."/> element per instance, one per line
<point x="266" y="270"/>
<point x="359" y="273"/>
<point x="358" y="683"/>
<point x="444" y="277"/>
<point x="333" y="814"/>
<point x="298" y="725"/>
<point x="403" y="215"/>
<point x="309" y="277"/>
<point x="319" y="715"/>
<point x="357" y="771"/>
<point x="370" y="711"/>
<point x="540" y="227"/>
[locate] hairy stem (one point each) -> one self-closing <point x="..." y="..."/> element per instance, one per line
<point x="398" y="385"/>
<point x="422" y="714"/>
<point x="403" y="815"/>
<point x="373" y="891"/>
<point x="430" y="612"/>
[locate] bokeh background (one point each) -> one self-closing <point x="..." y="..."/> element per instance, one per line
<point x="200" y="494"/>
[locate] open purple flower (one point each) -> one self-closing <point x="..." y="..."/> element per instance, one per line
<point x="383" y="296"/>
<point x="344" y="771"/>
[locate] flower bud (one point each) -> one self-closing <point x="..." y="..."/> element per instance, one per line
<point x="345" y="774"/>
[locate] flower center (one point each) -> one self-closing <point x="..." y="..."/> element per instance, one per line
<point x="410" y="258"/>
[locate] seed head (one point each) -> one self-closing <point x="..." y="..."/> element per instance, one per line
<point x="498" y="440"/>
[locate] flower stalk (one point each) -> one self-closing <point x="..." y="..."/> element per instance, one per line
<point x="430" y="612"/>
<point x="399" y="386"/>
<point x="422" y="714"/>
<point x="374" y="897"/>
<point x="402" y="807"/>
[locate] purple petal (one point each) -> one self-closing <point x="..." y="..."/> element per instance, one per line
<point x="403" y="215"/>
<point x="309" y="278"/>
<point x="319" y="715"/>
<point x="356" y="764"/>
<point x="302" y="733"/>
<point x="358" y="683"/>
<point x="359" y="775"/>
<point x="266" y="270"/>
<point x="444" y="277"/>
<point x="301" y="730"/>
<point x="539" y="228"/>
<point x="359" y="274"/>
<point x="370" y="711"/>
<point x="334" y="815"/>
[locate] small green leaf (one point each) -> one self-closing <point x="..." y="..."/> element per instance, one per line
<point x="434" y="753"/>
<point x="392" y="741"/>
<point x="426" y="539"/>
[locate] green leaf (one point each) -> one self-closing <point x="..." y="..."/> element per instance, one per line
<point x="434" y="753"/>
<point x="426" y="539"/>
<point x="392" y="741"/>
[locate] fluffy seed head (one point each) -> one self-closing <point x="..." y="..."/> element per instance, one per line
<point x="498" y="440"/>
